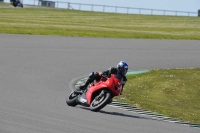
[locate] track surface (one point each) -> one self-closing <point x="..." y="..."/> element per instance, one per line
<point x="36" y="70"/>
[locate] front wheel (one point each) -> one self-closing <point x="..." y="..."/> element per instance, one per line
<point x="71" y="100"/>
<point x="100" y="101"/>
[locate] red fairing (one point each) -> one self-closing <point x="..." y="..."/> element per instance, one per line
<point x="113" y="84"/>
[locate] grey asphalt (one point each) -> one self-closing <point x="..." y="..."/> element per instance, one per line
<point x="35" y="72"/>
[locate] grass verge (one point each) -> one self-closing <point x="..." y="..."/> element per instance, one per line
<point x="174" y="93"/>
<point x="2" y="4"/>
<point x="39" y="21"/>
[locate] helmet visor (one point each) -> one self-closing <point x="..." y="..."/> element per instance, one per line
<point x="124" y="70"/>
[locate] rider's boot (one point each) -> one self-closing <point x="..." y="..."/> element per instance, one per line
<point x="82" y="87"/>
<point x="89" y="80"/>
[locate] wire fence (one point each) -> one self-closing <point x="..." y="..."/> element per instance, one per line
<point x="106" y="8"/>
<point x="127" y="10"/>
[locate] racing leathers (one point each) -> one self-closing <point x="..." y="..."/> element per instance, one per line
<point x="97" y="76"/>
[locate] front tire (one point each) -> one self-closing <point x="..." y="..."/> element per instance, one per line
<point x="97" y="104"/>
<point x="71" y="100"/>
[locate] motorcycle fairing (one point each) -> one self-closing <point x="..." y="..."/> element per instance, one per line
<point x="82" y="100"/>
<point x="113" y="84"/>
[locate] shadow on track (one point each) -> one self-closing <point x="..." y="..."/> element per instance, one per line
<point x="122" y="114"/>
<point x="117" y="114"/>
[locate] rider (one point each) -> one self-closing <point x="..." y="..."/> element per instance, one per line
<point x="15" y="2"/>
<point x="121" y="69"/>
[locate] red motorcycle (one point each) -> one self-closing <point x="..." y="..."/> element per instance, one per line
<point x="97" y="95"/>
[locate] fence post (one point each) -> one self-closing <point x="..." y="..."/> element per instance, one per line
<point x="165" y="12"/>
<point x="68" y="5"/>
<point x="79" y="7"/>
<point x="198" y="13"/>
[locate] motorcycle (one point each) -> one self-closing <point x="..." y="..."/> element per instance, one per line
<point x="97" y="95"/>
<point x="16" y="3"/>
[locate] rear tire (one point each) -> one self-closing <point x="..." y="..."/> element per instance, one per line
<point x="71" y="100"/>
<point x="96" y="106"/>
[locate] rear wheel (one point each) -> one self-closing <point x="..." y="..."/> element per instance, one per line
<point x="71" y="100"/>
<point x="100" y="101"/>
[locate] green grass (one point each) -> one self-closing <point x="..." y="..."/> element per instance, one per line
<point x="2" y="4"/>
<point x="64" y="22"/>
<point x="173" y="92"/>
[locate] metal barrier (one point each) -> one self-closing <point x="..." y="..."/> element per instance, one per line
<point x="109" y="9"/>
<point x="199" y="13"/>
<point x="128" y="10"/>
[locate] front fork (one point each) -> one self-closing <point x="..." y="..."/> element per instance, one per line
<point x="100" y="95"/>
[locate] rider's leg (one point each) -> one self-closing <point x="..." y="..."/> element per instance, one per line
<point x="93" y="76"/>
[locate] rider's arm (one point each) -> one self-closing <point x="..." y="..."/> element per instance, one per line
<point x="107" y="72"/>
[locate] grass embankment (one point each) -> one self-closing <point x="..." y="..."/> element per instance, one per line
<point x="92" y="24"/>
<point x="2" y="4"/>
<point x="175" y="93"/>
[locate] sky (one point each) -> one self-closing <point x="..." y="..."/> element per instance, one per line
<point x="177" y="5"/>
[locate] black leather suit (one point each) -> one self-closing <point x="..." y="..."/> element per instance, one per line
<point x="95" y="76"/>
